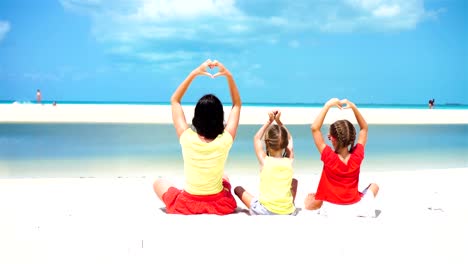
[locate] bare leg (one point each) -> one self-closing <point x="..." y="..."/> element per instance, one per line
<point x="160" y="187"/>
<point x="312" y="204"/>
<point x="374" y="188"/>
<point x="243" y="195"/>
<point x="294" y="188"/>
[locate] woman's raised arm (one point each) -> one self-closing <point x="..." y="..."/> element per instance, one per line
<point x="234" y="115"/>
<point x="178" y="116"/>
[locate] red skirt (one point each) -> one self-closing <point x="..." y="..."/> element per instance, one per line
<point x="180" y="202"/>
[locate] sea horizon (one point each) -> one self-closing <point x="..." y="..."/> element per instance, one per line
<point x="450" y="106"/>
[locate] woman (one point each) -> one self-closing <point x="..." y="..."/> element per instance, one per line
<point x="205" y="148"/>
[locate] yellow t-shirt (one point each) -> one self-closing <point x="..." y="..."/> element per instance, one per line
<point x="275" y="185"/>
<point x="204" y="162"/>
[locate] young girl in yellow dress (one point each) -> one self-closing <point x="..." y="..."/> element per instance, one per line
<point x="277" y="185"/>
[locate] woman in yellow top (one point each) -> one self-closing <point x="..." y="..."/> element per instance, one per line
<point x="277" y="185"/>
<point x="205" y="148"/>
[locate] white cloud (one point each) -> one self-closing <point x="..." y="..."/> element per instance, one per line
<point x="4" y="29"/>
<point x="155" y="19"/>
<point x="148" y="20"/>
<point x="278" y="21"/>
<point x="387" y="11"/>
<point x="360" y="15"/>
<point x="239" y="28"/>
<point x="383" y="15"/>
<point x="157" y="57"/>
<point x="121" y="49"/>
<point x="166" y="10"/>
<point x="152" y="30"/>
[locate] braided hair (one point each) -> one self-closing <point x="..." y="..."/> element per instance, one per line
<point x="344" y="133"/>
<point x="276" y="138"/>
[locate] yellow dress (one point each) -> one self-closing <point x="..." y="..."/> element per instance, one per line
<point x="204" y="162"/>
<point x="275" y="185"/>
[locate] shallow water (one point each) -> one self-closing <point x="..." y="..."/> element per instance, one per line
<point x="146" y="150"/>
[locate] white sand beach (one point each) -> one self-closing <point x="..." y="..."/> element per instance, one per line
<point x="249" y="114"/>
<point x="121" y="221"/>
<point x="422" y="215"/>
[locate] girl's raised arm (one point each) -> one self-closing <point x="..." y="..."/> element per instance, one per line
<point x="258" y="139"/>
<point x="178" y="116"/>
<point x="234" y="115"/>
<point x="290" y="147"/>
<point x="317" y="124"/>
<point x="363" y="128"/>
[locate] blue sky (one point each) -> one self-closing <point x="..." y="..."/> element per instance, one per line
<point x="279" y="51"/>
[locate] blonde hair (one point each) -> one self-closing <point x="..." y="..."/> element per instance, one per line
<point x="276" y="138"/>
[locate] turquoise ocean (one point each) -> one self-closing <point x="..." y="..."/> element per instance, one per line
<point x="95" y="150"/>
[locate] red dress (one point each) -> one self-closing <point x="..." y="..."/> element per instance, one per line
<point x="181" y="202"/>
<point x="339" y="181"/>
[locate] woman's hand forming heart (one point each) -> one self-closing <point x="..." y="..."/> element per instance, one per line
<point x="202" y="69"/>
<point x="221" y="69"/>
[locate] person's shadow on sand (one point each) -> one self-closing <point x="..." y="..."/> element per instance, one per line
<point x="377" y="213"/>
<point x="240" y="210"/>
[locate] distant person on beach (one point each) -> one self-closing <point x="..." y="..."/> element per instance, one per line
<point x="341" y="165"/>
<point x="431" y="103"/>
<point x="38" y="96"/>
<point x="205" y="148"/>
<point x="277" y="185"/>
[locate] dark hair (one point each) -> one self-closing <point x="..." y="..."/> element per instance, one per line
<point x="276" y="137"/>
<point x="208" y="119"/>
<point x="344" y="133"/>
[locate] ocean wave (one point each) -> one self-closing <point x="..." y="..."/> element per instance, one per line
<point x="22" y="102"/>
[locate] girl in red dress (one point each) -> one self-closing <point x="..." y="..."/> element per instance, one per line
<point x="341" y="165"/>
